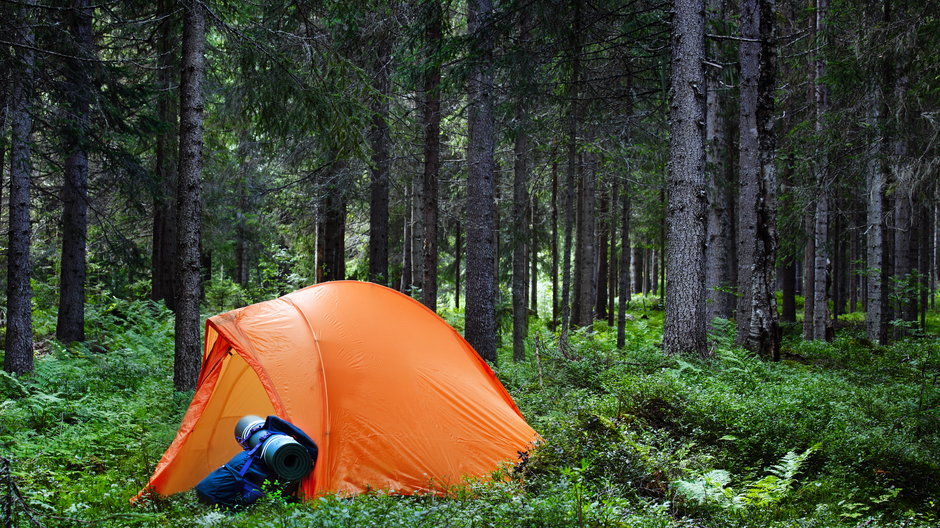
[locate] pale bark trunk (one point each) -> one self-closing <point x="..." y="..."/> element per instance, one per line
<point x="189" y="210"/>
<point x="877" y="297"/>
<point x="19" y="332"/>
<point x="684" y="326"/>
<point x="823" y="183"/>
<point x="480" y="315"/>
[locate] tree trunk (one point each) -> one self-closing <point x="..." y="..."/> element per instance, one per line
<point x="603" y="237"/>
<point x="71" y="317"/>
<point x="331" y="225"/>
<point x="407" y="264"/>
<point x="586" y="246"/>
<point x="638" y="271"/>
<point x="684" y="325"/>
<point x="788" y="272"/>
<point x="520" y="237"/>
<point x="241" y="223"/>
<point x="163" y="256"/>
<point x="764" y="334"/>
<point x="623" y="288"/>
<point x="432" y="156"/>
<point x="719" y="269"/>
<point x="554" y="245"/>
<point x="748" y="163"/>
<point x="189" y="196"/>
<point x="457" y="246"/>
<point x="823" y="183"/>
<point x="809" y="271"/>
<point x="480" y="315"/>
<point x="573" y="90"/>
<point x="533" y="256"/>
<point x="613" y="274"/>
<point x="18" y="358"/>
<point x="381" y="165"/>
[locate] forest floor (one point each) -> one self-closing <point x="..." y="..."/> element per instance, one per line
<point x="838" y="434"/>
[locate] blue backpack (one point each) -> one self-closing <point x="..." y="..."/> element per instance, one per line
<point x="246" y="478"/>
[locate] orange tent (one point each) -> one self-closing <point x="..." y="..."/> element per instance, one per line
<point x="392" y="395"/>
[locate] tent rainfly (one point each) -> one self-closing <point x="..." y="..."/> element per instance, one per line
<point x="393" y="396"/>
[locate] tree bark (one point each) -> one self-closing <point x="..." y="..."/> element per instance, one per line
<point x="331" y="225"/>
<point x="623" y="288"/>
<point x="573" y="92"/>
<point x="432" y="156"/>
<point x="603" y="237"/>
<point x="520" y="213"/>
<point x="823" y="183"/>
<point x="480" y="315"/>
<point x="381" y="165"/>
<point x="407" y="264"/>
<point x="554" y="248"/>
<point x="163" y="255"/>
<point x="719" y="268"/>
<point x="70" y="326"/>
<point x="457" y="254"/>
<point x="684" y="326"/>
<point x="585" y="254"/>
<point x="18" y="358"/>
<point x="764" y="335"/>
<point x="533" y="256"/>
<point x="749" y="164"/>
<point x="189" y="211"/>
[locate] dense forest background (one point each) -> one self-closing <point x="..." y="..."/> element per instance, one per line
<point x="641" y="212"/>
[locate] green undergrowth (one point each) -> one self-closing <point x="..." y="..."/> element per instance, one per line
<point x="837" y="434"/>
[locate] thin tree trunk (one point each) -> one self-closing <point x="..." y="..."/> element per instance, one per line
<point x="381" y="164"/>
<point x="638" y="260"/>
<point x="407" y="265"/>
<point x="571" y="171"/>
<point x="432" y="157"/>
<point x="823" y="183"/>
<point x="684" y="325"/>
<point x="71" y="317"/>
<point x="624" y="279"/>
<point x="719" y="271"/>
<point x="457" y="254"/>
<point x="554" y="245"/>
<point x="586" y="243"/>
<point x="613" y="274"/>
<point x="480" y="316"/>
<point x="764" y="334"/>
<point x="18" y="358"/>
<point x="788" y="314"/>
<point x="534" y="256"/>
<point x="603" y="237"/>
<point x="163" y="256"/>
<point x="749" y="164"/>
<point x="520" y="204"/>
<point x="241" y="223"/>
<point x="189" y="196"/>
<point x="331" y="225"/>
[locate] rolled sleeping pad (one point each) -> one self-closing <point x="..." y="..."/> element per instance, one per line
<point x="245" y="426"/>
<point x="286" y="457"/>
